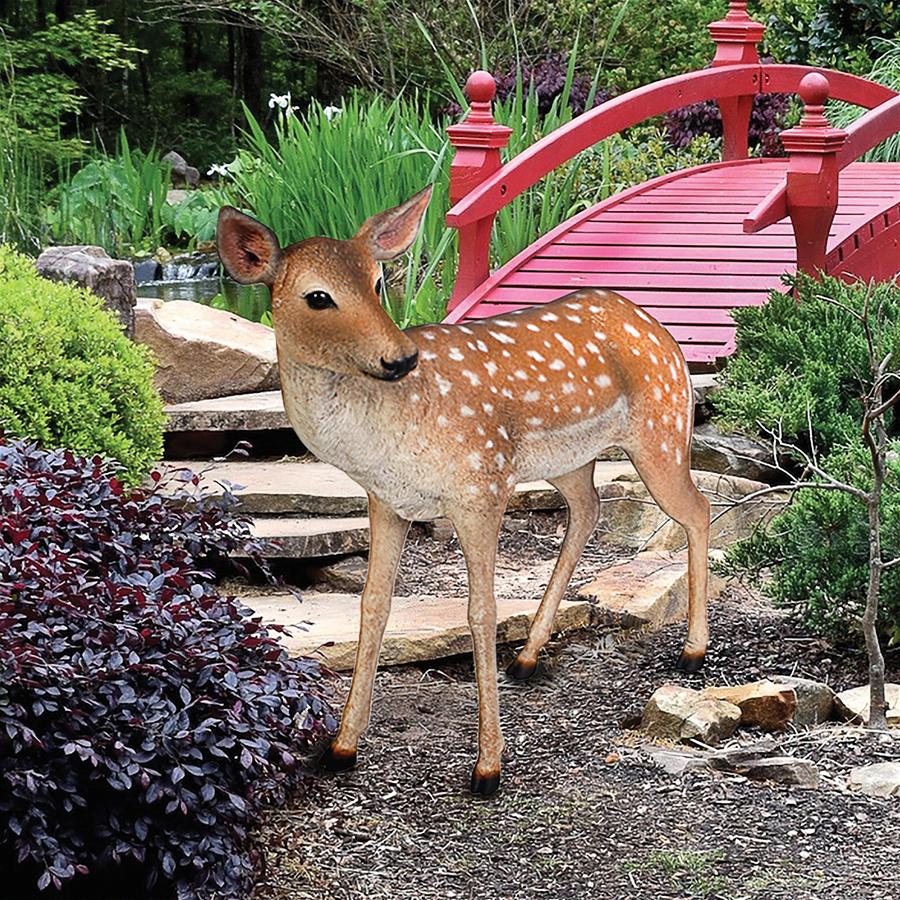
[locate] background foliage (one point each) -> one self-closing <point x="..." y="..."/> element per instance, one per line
<point x="68" y="375"/>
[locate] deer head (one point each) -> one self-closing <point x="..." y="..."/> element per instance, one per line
<point x="326" y="305"/>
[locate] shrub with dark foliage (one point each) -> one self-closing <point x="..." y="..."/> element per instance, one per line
<point x="547" y="78"/>
<point x="767" y="119"/>
<point x="144" y="718"/>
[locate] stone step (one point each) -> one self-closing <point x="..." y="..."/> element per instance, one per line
<point x="295" y="538"/>
<point x="265" y="410"/>
<point x="291" y="487"/>
<point x="649" y="590"/>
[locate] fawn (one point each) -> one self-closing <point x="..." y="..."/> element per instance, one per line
<point x="445" y="421"/>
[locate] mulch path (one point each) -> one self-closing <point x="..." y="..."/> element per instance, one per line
<point x="582" y="811"/>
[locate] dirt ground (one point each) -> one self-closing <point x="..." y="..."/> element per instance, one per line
<point x="582" y="811"/>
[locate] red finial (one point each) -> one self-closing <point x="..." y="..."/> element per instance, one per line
<point x="481" y="87"/>
<point x="737" y="9"/>
<point x="814" y="90"/>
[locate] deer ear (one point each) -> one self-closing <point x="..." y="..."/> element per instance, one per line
<point x="392" y="232"/>
<point x="248" y="249"/>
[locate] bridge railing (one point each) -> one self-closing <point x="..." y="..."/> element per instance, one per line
<point x="480" y="185"/>
<point x="809" y="191"/>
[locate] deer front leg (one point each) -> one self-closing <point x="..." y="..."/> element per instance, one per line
<point x="478" y="535"/>
<point x="583" y="504"/>
<point x="387" y="535"/>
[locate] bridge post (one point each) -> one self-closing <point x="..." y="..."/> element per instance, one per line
<point x="736" y="37"/>
<point x="812" y="177"/>
<point x="478" y="141"/>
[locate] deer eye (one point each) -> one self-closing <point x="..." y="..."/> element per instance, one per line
<point x="378" y="286"/>
<point x="319" y="300"/>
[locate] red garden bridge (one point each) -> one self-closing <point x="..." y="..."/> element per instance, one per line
<point x="691" y="246"/>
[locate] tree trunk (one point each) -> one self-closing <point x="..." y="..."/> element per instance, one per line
<point x="252" y="74"/>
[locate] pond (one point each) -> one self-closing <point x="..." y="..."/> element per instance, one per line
<point x="248" y="301"/>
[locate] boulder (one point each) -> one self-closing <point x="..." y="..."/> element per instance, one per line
<point x="815" y="700"/>
<point x="629" y="515"/>
<point x="112" y="280"/>
<point x="677" y="762"/>
<point x="182" y="173"/>
<point x="764" y="704"/>
<point x="780" y="769"/>
<point x="876" y="780"/>
<point x="203" y="352"/>
<point x="649" y="589"/>
<point x="347" y="575"/>
<point x="679" y="713"/>
<point x="731" y="454"/>
<point x="853" y="705"/>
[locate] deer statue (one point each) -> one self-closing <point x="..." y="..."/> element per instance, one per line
<point x="444" y="421"/>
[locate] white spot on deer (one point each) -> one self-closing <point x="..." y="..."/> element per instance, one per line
<point x="532" y="327"/>
<point x="460" y="438"/>
<point x="535" y="420"/>
<point x="488" y="407"/>
<point x="678" y="457"/>
<point x="465" y="329"/>
<point x="466" y="411"/>
<point x="456" y="355"/>
<point x="646" y="377"/>
<point x="482" y="346"/>
<point x="473" y="378"/>
<point x="501" y="337"/>
<point x="664" y="447"/>
<point x="443" y="421"/>
<point x="674" y="372"/>
<point x="667" y="388"/>
<point x="414" y="398"/>
<point x="642" y="315"/>
<point x="635" y="351"/>
<point x="505" y="323"/>
<point x="576" y="410"/>
<point x="653" y="338"/>
<point x="595" y="309"/>
<point x="657" y="394"/>
<point x="474" y="460"/>
<point x="679" y="423"/>
<point x="488" y="445"/>
<point x="521" y="374"/>
<point x="507" y="393"/>
<point x="573" y="305"/>
<point x="428" y="355"/>
<point x="428" y="335"/>
<point x="557" y="365"/>
<point x="443" y="384"/>
<point x="542" y="378"/>
<point x="505" y="353"/>
<point x="480" y="431"/>
<point x="533" y="354"/>
<point x="653" y="358"/>
<point x="473" y="489"/>
<point x="575" y="319"/>
<point x="555" y="408"/>
<point x="532" y="396"/>
<point x="549" y="317"/>
<point x="503" y="432"/>
<point x="493" y="488"/>
<point x="491" y="368"/>
<point x="602" y="381"/>
<point x="581" y="361"/>
<point x="600" y="335"/>
<point x="567" y="344"/>
<point x="568" y="388"/>
<point x="650" y="424"/>
<point x="632" y="330"/>
<point x="592" y="347"/>
<point x="500" y="459"/>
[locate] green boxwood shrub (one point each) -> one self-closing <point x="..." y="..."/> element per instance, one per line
<point x="802" y="363"/>
<point x="69" y="377"/>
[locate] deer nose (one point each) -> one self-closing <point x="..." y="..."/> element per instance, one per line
<point x="397" y="368"/>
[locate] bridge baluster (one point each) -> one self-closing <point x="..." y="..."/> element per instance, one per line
<point x="736" y="37"/>
<point x="812" y="178"/>
<point x="478" y="141"/>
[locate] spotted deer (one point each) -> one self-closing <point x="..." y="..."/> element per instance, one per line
<point x="444" y="421"/>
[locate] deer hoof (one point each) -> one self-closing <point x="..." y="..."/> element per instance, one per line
<point x="334" y="760"/>
<point x="519" y="670"/>
<point x="483" y="785"/>
<point x="690" y="661"/>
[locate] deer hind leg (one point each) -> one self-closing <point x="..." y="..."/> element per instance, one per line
<point x="388" y="534"/>
<point x="478" y="534"/>
<point x="674" y="491"/>
<point x="581" y="499"/>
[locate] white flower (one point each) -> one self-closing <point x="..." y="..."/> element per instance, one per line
<point x="282" y="101"/>
<point x="218" y="169"/>
<point x="332" y="112"/>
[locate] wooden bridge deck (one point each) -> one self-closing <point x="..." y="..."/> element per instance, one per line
<point x="676" y="246"/>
